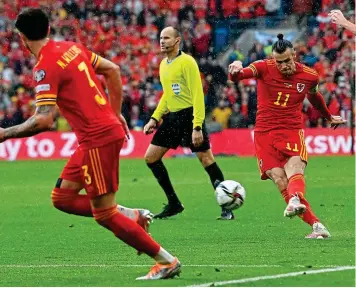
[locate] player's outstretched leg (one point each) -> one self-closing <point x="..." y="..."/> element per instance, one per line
<point x="106" y="214"/>
<point x="216" y="176"/>
<point x="66" y="197"/>
<point x="298" y="204"/>
<point x="153" y="159"/>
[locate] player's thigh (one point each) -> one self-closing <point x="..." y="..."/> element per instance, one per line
<point x="167" y="134"/>
<point x="206" y="158"/>
<point x="155" y="153"/>
<point x="71" y="176"/>
<point x="279" y="177"/>
<point x="268" y="156"/>
<point x="100" y="169"/>
<point x="291" y="143"/>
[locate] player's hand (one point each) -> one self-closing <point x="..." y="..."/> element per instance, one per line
<point x="125" y="126"/>
<point x="336" y="121"/>
<point x="197" y="138"/>
<point x="337" y="17"/>
<point x="2" y="134"/>
<point x="235" y="67"/>
<point x="149" y="127"/>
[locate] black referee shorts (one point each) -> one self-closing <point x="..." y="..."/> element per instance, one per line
<point x="176" y="130"/>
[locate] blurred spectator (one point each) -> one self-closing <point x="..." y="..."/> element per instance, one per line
<point x="237" y="119"/>
<point x="236" y="55"/>
<point x="222" y="113"/>
<point x="127" y="32"/>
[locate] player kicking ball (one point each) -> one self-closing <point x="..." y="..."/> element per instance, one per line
<point x="282" y="85"/>
<point x="65" y="75"/>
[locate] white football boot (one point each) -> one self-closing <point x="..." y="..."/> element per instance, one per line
<point x="319" y="232"/>
<point x="294" y="207"/>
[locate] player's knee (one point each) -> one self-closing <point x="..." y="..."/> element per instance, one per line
<point x="206" y="158"/>
<point x="57" y="200"/>
<point x="295" y="165"/>
<point x="61" y="197"/>
<point x="150" y="158"/>
<point x="294" y="169"/>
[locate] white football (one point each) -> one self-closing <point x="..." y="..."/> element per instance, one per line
<point x="230" y="194"/>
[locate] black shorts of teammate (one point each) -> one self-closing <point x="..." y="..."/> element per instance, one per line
<point x="176" y="130"/>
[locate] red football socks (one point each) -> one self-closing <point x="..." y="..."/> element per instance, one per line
<point x="296" y="186"/>
<point x="69" y="201"/>
<point x="126" y="230"/>
<point x="285" y="195"/>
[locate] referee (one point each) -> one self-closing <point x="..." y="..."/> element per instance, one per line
<point x="182" y="109"/>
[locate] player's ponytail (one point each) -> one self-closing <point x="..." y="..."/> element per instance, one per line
<point x="281" y="45"/>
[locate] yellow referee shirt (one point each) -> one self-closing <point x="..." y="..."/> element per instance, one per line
<point x="182" y="88"/>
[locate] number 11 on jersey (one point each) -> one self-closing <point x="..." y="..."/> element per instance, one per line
<point x="280" y="94"/>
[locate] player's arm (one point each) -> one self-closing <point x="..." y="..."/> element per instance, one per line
<point x="338" y="18"/>
<point x="112" y="75"/>
<point x="318" y="102"/>
<point x="41" y="121"/>
<point x="192" y="76"/>
<point x="47" y="81"/>
<point x="161" y="109"/>
<point x="254" y="70"/>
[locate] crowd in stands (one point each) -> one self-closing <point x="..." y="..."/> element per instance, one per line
<point x="127" y="32"/>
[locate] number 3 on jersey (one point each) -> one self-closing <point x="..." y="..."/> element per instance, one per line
<point x="99" y="98"/>
<point x="278" y="103"/>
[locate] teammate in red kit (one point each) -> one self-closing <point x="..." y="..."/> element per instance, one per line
<point x="65" y="75"/>
<point x="282" y="85"/>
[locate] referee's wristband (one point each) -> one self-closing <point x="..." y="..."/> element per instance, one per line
<point x="197" y="128"/>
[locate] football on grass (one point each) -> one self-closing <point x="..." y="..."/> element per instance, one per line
<point x="230" y="194"/>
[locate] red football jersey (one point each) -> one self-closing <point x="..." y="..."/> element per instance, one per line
<point x="64" y="75"/>
<point x="280" y="99"/>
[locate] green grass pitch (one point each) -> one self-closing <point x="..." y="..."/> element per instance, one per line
<point x="41" y="246"/>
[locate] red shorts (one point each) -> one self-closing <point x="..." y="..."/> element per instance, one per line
<point x="97" y="169"/>
<point x="274" y="148"/>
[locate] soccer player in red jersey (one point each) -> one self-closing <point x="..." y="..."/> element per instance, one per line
<point x="282" y="85"/>
<point x="65" y="75"/>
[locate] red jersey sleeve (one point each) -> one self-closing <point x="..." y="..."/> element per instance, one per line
<point x="46" y="84"/>
<point x="254" y="70"/>
<point x="258" y="68"/>
<point x="94" y="58"/>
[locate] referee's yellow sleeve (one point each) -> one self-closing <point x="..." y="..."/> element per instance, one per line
<point x="196" y="90"/>
<point x="161" y="108"/>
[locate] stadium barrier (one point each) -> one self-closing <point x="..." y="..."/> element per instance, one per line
<point x="239" y="142"/>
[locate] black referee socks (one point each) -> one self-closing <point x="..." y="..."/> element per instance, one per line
<point x="215" y="174"/>
<point x="159" y="170"/>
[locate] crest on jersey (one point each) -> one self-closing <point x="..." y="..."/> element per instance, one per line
<point x="176" y="88"/>
<point x="300" y="87"/>
<point x="39" y="75"/>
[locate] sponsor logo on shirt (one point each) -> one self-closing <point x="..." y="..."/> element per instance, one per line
<point x="42" y="87"/>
